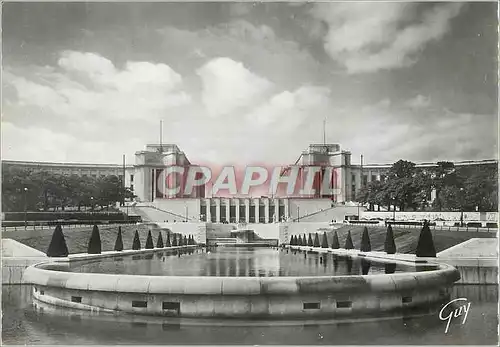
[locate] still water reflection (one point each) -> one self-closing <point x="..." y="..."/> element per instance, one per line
<point x="239" y="262"/>
<point x="22" y="323"/>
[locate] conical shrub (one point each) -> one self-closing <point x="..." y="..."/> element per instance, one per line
<point x="390" y="245"/>
<point x="425" y="246"/>
<point x="94" y="246"/>
<point x="136" y="244"/>
<point x="119" y="241"/>
<point x="168" y="243"/>
<point x="366" y="245"/>
<point x="316" y="241"/>
<point x="149" y="241"/>
<point x="310" y="242"/>
<point x="180" y="240"/>
<point x="324" y="243"/>
<point x="293" y="241"/>
<point x="185" y="240"/>
<point x="57" y="246"/>
<point x="335" y="241"/>
<point x="348" y="241"/>
<point x="174" y="240"/>
<point x="299" y="240"/>
<point x="159" y="242"/>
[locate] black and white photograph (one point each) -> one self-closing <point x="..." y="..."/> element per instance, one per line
<point x="249" y="173"/>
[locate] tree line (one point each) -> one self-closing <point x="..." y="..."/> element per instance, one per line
<point x="45" y="191"/>
<point x="457" y="188"/>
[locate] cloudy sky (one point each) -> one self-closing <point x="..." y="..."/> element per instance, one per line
<point x="249" y="83"/>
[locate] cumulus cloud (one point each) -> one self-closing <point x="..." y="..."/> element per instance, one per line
<point x="228" y="86"/>
<point x="287" y="110"/>
<point x="367" y="37"/>
<point x="87" y="85"/>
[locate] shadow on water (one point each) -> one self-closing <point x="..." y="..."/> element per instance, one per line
<point x="390" y="268"/>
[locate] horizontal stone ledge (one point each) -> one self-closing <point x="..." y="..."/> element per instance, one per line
<point x="199" y="285"/>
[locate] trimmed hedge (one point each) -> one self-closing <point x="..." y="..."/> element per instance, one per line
<point x="316" y="241"/>
<point x="159" y="242"/>
<point x="136" y="244"/>
<point x="425" y="246"/>
<point x="348" y="241"/>
<point x="149" y="241"/>
<point x="324" y="242"/>
<point x="119" y="241"/>
<point x="366" y="245"/>
<point x="389" y="245"/>
<point x="57" y="246"/>
<point x="94" y="246"/>
<point x="335" y="241"/>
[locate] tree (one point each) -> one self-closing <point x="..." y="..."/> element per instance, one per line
<point x="443" y="175"/>
<point x="57" y="246"/>
<point x="94" y="246"/>
<point x="348" y="241"/>
<point x="310" y="242"/>
<point x="300" y="242"/>
<point x="119" y="240"/>
<point x="365" y="241"/>
<point x="389" y="245"/>
<point x="400" y="183"/>
<point x="185" y="240"/>
<point x="174" y="240"/>
<point x="335" y="242"/>
<point x="136" y="244"/>
<point x="425" y="246"/>
<point x="168" y="244"/>
<point x="159" y="242"/>
<point x="304" y="240"/>
<point x="324" y="242"/>
<point x="149" y="241"/>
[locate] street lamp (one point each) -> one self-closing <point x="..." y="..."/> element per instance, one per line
<point x="25" y="208"/>
<point x="394" y="208"/>
<point x="462" y="207"/>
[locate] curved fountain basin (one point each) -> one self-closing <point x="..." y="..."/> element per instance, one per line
<point x="241" y="297"/>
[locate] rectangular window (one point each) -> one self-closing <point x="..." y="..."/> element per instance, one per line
<point x="76" y="299"/>
<point x="131" y="178"/>
<point x="171" y="308"/>
<point x="311" y="306"/>
<point x="344" y="304"/>
<point x="131" y="187"/>
<point x="139" y="304"/>
<point x="168" y="305"/>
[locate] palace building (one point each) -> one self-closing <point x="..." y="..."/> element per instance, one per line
<point x="144" y="175"/>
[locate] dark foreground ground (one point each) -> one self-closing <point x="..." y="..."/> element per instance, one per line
<point x="23" y="324"/>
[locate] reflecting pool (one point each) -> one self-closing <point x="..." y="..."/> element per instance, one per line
<point x="239" y="262"/>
